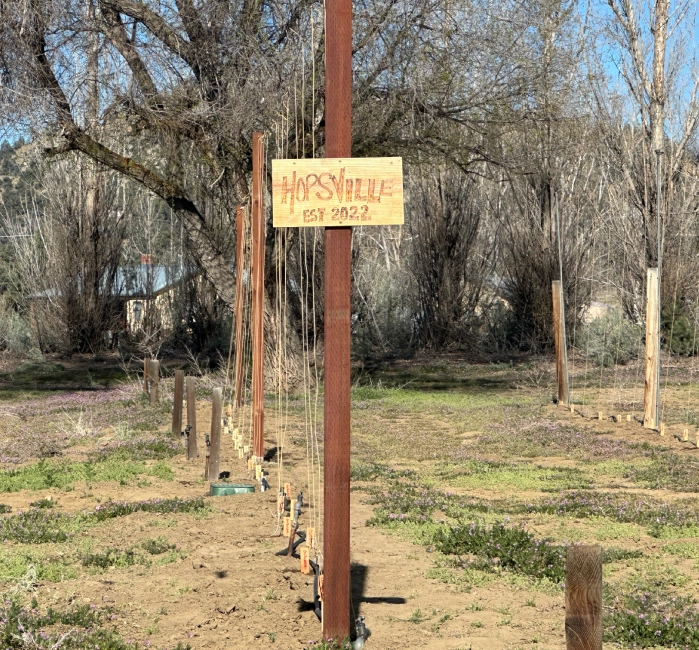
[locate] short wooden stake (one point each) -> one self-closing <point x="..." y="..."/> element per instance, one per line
<point x="191" y="387"/>
<point x="600" y="416"/>
<point x="662" y="428"/>
<point x="651" y="394"/>
<point x="154" y="373"/>
<point x="177" y="403"/>
<point x="146" y="371"/>
<point x="572" y="408"/>
<point x="628" y="418"/>
<point x="287" y="489"/>
<point x="216" y="411"/>
<point x="240" y="452"/>
<point x="311" y="537"/>
<point x="559" y="335"/>
<point x="685" y="435"/>
<point x="583" y="622"/>
<point x="287" y="526"/>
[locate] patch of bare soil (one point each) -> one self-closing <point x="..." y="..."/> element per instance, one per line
<point x="232" y="590"/>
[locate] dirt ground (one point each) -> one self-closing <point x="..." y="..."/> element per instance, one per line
<point x="228" y="588"/>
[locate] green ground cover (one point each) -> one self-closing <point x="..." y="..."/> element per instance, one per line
<point x="495" y="487"/>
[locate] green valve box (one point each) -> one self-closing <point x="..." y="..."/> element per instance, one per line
<point x="226" y="489"/>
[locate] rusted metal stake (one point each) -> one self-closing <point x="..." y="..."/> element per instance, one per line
<point x="216" y="412"/>
<point x="177" y="403"/>
<point x="258" y="297"/>
<point x="584" y="598"/>
<point x="191" y="417"/>
<point x="338" y="257"/>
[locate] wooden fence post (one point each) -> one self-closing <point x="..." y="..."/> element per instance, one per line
<point x="146" y="372"/>
<point x="154" y="372"/>
<point x="216" y="413"/>
<point x="191" y="417"/>
<point x="258" y="297"/>
<point x="583" y="623"/>
<point x="651" y="394"/>
<point x="177" y="403"/>
<point x="239" y="302"/>
<point x="559" y="333"/>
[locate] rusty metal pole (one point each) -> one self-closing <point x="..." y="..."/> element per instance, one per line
<point x="338" y="257"/>
<point x="240" y="269"/>
<point x="258" y="297"/>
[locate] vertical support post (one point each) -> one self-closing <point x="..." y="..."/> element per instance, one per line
<point x="258" y="298"/>
<point x="651" y="394"/>
<point x="215" y="440"/>
<point x="583" y="622"/>
<point x="559" y="334"/>
<point x="146" y="372"/>
<point x="338" y="258"/>
<point x="239" y="288"/>
<point x="177" y="403"/>
<point x="154" y="372"/>
<point x="192" y="417"/>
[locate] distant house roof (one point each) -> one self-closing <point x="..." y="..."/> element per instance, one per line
<point x="132" y="282"/>
<point x="145" y="280"/>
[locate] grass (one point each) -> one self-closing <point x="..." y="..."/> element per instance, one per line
<point x="495" y="475"/>
<point x="84" y="627"/>
<point x="40" y="526"/>
<point x="16" y="565"/>
<point x="48" y="474"/>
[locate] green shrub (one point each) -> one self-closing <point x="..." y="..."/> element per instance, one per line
<point x="110" y="557"/>
<point x="80" y="628"/>
<point x="157" y="546"/>
<point x="647" y="620"/>
<point x="610" y="339"/>
<point x="679" y="330"/>
<point x="15" y="334"/>
<point x="505" y="546"/>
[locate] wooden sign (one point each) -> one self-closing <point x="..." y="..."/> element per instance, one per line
<point x="337" y="192"/>
<point x="311" y="537"/>
<point x="287" y="526"/>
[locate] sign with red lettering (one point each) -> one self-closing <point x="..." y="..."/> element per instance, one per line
<point x="337" y="192"/>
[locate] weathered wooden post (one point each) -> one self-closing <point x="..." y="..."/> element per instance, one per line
<point x="177" y="403"/>
<point x="651" y="394"/>
<point x="258" y="298"/>
<point x="191" y="417"/>
<point x="239" y="288"/>
<point x="146" y="372"/>
<point x="338" y="274"/>
<point x="154" y="373"/>
<point x="364" y="192"/>
<point x="215" y="440"/>
<point x="559" y="332"/>
<point x="583" y="623"/>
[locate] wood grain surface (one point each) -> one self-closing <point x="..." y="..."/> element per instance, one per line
<point x="583" y="622"/>
<point x="337" y="192"/>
